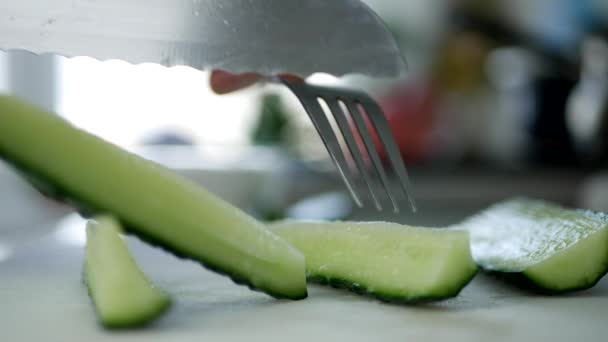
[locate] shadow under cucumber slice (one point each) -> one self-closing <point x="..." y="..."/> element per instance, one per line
<point x="389" y="261"/>
<point x="540" y="246"/>
<point x="150" y="201"/>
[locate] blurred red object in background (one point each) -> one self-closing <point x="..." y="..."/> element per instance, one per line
<point x="411" y="112"/>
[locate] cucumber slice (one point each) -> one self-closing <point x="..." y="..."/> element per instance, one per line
<point x="540" y="245"/>
<point x="150" y="201"/>
<point x="389" y="261"/>
<point x="122" y="295"/>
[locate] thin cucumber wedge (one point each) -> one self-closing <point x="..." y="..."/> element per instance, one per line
<point x="389" y="261"/>
<point x="539" y="245"/>
<point x="150" y="201"/>
<point x="122" y="295"/>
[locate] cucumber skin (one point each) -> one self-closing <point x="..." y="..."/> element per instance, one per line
<point x="87" y="209"/>
<point x="522" y="280"/>
<point x="387" y="297"/>
<point x="527" y="282"/>
<point x="126" y="324"/>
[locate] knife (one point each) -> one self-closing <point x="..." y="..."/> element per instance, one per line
<point x="269" y="37"/>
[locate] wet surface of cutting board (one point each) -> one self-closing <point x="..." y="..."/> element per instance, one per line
<point x="42" y="298"/>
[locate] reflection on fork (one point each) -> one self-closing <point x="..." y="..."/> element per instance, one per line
<point x="357" y="106"/>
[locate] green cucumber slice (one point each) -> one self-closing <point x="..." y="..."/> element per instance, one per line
<point x="122" y="295"/>
<point x="149" y="201"/>
<point x="389" y="261"/>
<point x="540" y="245"/>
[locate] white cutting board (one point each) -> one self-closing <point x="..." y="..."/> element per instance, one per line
<point x="43" y="299"/>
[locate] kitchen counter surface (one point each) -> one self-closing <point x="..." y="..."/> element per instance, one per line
<point x="43" y="298"/>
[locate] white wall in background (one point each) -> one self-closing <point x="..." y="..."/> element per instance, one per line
<point x="33" y="78"/>
<point x="124" y="103"/>
<point x="3" y="73"/>
<point x="24" y="214"/>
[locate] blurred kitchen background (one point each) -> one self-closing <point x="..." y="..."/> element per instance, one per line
<point x="503" y="98"/>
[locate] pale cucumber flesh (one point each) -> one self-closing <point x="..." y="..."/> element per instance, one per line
<point x="149" y="201"/>
<point x="122" y="295"/>
<point x="540" y="245"/>
<point x="389" y="261"/>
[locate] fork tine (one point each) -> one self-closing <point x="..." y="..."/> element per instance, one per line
<point x="376" y="116"/>
<point x="309" y="96"/>
<point x="319" y="119"/>
<point x="371" y="149"/>
<point x="345" y="128"/>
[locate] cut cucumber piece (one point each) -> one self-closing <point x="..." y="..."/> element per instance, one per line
<point x="150" y="201"/>
<point x="541" y="245"/>
<point x="122" y="295"/>
<point x="389" y="261"/>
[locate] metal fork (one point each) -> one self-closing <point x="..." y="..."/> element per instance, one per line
<point x="310" y="95"/>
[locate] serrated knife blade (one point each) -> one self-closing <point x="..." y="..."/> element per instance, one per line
<point x="270" y="37"/>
